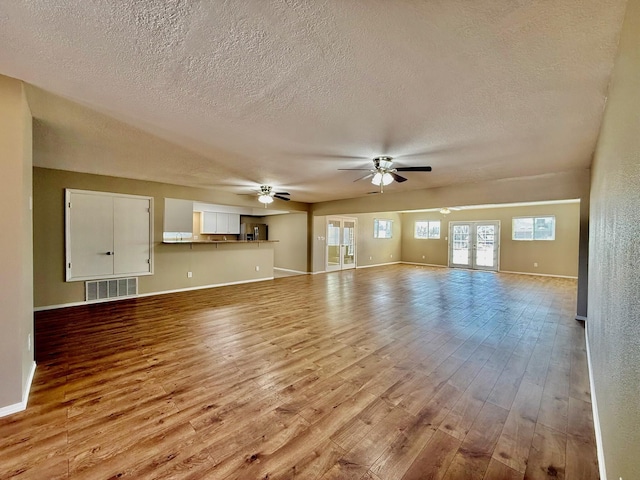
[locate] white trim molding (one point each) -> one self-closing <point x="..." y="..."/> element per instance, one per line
<point x="300" y="272"/>
<point x="539" y="274"/>
<point x="164" y="292"/>
<point x="594" y="408"/>
<point x="425" y="264"/>
<point x="19" y="407"/>
<point x="377" y="265"/>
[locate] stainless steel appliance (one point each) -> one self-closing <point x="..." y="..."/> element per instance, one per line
<point x="253" y="231"/>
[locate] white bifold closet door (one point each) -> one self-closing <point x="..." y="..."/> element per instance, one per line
<point x="107" y="235"/>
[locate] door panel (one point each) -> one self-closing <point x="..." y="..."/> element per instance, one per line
<point x="348" y="244"/>
<point x="474" y="245"/>
<point x="333" y="244"/>
<point x="485" y="247"/>
<point x="132" y="251"/>
<point x="461" y="245"/>
<point x="341" y="243"/>
<point x="90" y="241"/>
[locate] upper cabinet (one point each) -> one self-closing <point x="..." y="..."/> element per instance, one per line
<point x="107" y="235"/>
<point x="220" y="223"/>
<point x="209" y="222"/>
<point x="214" y="219"/>
<point x="234" y="223"/>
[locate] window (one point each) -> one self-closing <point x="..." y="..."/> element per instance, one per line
<point x="427" y="229"/>
<point x="534" y="228"/>
<point x="382" y="228"/>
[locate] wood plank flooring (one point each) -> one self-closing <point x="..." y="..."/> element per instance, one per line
<point x="388" y="373"/>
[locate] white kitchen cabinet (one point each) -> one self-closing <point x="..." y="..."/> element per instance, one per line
<point x="220" y="223"/>
<point x="107" y="235"/>
<point x="234" y="223"/>
<point x="223" y="222"/>
<point x="209" y="222"/>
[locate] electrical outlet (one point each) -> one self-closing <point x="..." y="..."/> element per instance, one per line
<point x="391" y="256"/>
<point x="535" y="264"/>
<point x="257" y="268"/>
<point x="189" y="274"/>
<point x="423" y="257"/>
<point x="370" y="257"/>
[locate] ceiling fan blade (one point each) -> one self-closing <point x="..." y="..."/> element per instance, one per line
<point x="354" y="169"/>
<point x="282" y="198"/>
<point x="282" y="193"/>
<point x="413" y="169"/>
<point x="368" y="175"/>
<point x="398" y="178"/>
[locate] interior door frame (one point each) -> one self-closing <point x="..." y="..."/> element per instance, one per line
<point x="473" y="224"/>
<point x="341" y="265"/>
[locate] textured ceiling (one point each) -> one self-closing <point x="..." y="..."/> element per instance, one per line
<point x="286" y="92"/>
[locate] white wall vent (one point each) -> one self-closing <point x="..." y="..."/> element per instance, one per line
<point x="104" y="289"/>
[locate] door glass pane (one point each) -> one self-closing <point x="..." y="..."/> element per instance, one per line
<point x="349" y="243"/>
<point x="333" y="242"/>
<point x="460" y="252"/>
<point x="485" y="245"/>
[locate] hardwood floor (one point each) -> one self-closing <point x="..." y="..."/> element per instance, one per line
<point x="398" y="372"/>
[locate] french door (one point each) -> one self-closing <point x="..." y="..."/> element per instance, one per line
<point x="474" y="245"/>
<point x="341" y="243"/>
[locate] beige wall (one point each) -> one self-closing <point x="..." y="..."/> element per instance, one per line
<point x="552" y="186"/>
<point x="210" y="264"/>
<point x="376" y="251"/>
<point x="369" y="250"/>
<point x="558" y="257"/>
<point x="290" y="231"/>
<point x="613" y="325"/>
<point x="318" y="244"/>
<point x="16" y="294"/>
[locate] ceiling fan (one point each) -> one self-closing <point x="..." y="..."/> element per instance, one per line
<point x="383" y="172"/>
<point x="266" y="194"/>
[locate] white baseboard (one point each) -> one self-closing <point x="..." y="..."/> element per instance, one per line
<point x="594" y="408"/>
<point x="377" y="265"/>
<point x="19" y="407"/>
<point x="538" y="274"/>
<point x="300" y="272"/>
<point x="164" y="292"/>
<point x="425" y="264"/>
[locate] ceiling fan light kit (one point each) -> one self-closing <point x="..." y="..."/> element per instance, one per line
<point x="384" y="173"/>
<point x="266" y="195"/>
<point x="266" y="199"/>
<point x="382" y="179"/>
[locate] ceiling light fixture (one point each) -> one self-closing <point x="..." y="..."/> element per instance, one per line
<point x="380" y="178"/>
<point x="265" y="198"/>
<point x="445" y="211"/>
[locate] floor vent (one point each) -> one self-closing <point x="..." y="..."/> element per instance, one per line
<point x="117" y="287"/>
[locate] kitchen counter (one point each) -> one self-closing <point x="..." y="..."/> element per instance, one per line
<point x="218" y="241"/>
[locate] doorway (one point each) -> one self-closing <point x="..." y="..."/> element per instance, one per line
<point x="341" y="243"/>
<point x="474" y="245"/>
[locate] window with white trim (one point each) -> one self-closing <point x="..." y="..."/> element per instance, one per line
<point x="427" y="229"/>
<point x="534" y="228"/>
